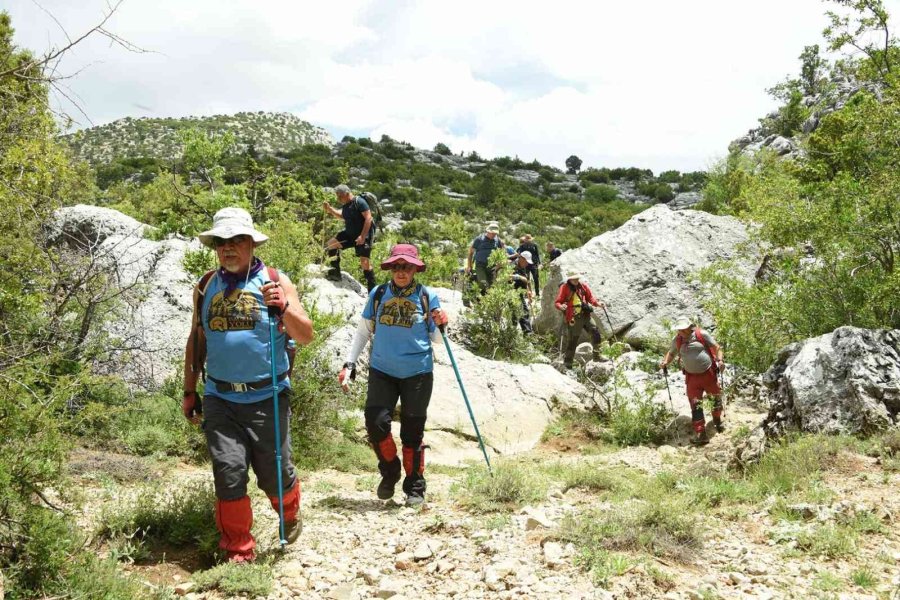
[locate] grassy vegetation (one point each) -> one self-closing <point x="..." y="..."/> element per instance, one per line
<point x="512" y="485"/>
<point x="247" y="580"/>
<point x="179" y="517"/>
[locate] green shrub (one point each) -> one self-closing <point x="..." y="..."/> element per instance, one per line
<point x="491" y="327"/>
<point x="247" y="580"/>
<point x="635" y="419"/>
<point x="601" y="193"/>
<point x="510" y="486"/>
<point x="180" y="517"/>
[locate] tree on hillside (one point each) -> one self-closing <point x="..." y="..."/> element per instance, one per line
<point x="442" y="149"/>
<point x="866" y="30"/>
<point x="811" y="69"/>
<point x="573" y="165"/>
<point x="203" y="154"/>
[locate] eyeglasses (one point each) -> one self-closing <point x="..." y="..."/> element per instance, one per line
<point x="403" y="267"/>
<point x="236" y="240"/>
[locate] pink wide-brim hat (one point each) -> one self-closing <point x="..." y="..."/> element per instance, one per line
<point x="404" y="252"/>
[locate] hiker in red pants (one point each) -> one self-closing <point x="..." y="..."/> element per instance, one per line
<point x="701" y="361"/>
<point x="231" y="339"/>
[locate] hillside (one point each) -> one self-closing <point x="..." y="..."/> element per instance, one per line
<point x="159" y="138"/>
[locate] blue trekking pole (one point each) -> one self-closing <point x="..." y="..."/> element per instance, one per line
<point x="281" y="537"/>
<point x="465" y="397"/>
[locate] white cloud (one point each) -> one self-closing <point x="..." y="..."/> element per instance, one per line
<point x="649" y="83"/>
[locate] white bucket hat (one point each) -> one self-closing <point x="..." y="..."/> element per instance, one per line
<point x="230" y="222"/>
<point x="527" y="256"/>
<point x="572" y="275"/>
<point x="492" y="227"/>
<point x="682" y="322"/>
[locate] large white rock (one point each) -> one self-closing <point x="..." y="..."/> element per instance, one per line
<point x="847" y="381"/>
<point x="643" y="271"/>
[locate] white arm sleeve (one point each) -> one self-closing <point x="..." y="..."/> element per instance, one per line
<point x="435" y="335"/>
<point x="360" y="339"/>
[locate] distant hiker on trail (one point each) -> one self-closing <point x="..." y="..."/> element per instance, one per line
<point x="358" y="233"/>
<point x="701" y="360"/>
<point x="577" y="303"/>
<point x="552" y="252"/>
<point x="527" y="245"/>
<point x="480" y="252"/>
<point x="403" y="317"/>
<point x="521" y="279"/>
<point x="231" y="337"/>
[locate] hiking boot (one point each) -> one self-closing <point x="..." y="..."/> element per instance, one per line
<point x="386" y="487"/>
<point x="719" y="425"/>
<point x="415" y="499"/>
<point x="293" y="529"/>
<point x="700" y="438"/>
<point x="333" y="275"/>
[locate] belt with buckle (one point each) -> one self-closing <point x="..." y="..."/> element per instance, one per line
<point x="227" y="386"/>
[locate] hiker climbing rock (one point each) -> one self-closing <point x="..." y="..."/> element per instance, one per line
<point x="480" y="252"/>
<point x="552" y="252"/>
<point x="358" y="233"/>
<point x="231" y="341"/>
<point x="701" y="361"/>
<point x="577" y="302"/>
<point x="527" y="245"/>
<point x="403" y="316"/>
<point x="521" y="279"/>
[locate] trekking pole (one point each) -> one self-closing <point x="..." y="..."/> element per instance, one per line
<point x="324" y="236"/>
<point x="281" y="537"/>
<point x="612" y="332"/>
<point x="465" y="397"/>
<point x="665" y="371"/>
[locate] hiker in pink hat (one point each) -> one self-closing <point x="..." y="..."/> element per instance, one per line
<point x="403" y="317"/>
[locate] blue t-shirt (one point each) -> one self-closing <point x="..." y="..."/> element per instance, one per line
<point x="484" y="246"/>
<point x="237" y="339"/>
<point x="352" y="212"/>
<point x="402" y="346"/>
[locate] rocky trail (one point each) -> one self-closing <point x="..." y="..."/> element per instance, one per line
<point x="354" y="546"/>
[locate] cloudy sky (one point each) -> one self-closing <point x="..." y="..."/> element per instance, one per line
<point x="650" y="83"/>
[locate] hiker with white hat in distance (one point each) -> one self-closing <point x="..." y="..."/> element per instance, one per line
<point x="233" y="338"/>
<point x="402" y="318"/>
<point x="577" y="303"/>
<point x="527" y="244"/>
<point x="522" y="283"/>
<point x="701" y="360"/>
<point x="480" y="252"/>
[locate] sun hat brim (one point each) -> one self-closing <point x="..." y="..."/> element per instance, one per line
<point x="230" y="231"/>
<point x="682" y="323"/>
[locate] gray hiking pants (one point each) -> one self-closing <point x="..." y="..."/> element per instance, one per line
<point x="242" y="435"/>
<point x="582" y="322"/>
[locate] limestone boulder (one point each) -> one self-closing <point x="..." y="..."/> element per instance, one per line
<point x="844" y="382"/>
<point x="644" y="272"/>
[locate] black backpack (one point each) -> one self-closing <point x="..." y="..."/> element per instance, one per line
<point x="374" y="207"/>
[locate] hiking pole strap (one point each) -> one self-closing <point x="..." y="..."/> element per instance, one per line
<point x="465" y="397"/>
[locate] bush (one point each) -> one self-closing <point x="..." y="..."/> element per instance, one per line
<point x="510" y="486"/>
<point x="491" y="327"/>
<point x="601" y="193"/>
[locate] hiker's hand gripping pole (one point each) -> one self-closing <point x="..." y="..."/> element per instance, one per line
<point x="443" y="327"/>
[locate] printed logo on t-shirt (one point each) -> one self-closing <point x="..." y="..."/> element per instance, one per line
<point x="398" y="311"/>
<point x="238" y="312"/>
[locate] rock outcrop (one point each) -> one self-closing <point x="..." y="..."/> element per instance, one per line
<point x="643" y="271"/>
<point x="844" y="382"/>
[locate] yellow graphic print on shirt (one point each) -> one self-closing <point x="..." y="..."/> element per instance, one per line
<point x="398" y="311"/>
<point x="238" y="312"/>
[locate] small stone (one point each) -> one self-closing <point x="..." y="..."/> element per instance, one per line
<point x="738" y="578"/>
<point x="370" y="576"/>
<point x="536" y="519"/>
<point x="553" y="554"/>
<point x="445" y="566"/>
<point x="404" y="561"/>
<point x="423" y="552"/>
<point x="341" y="592"/>
<point x="388" y="588"/>
<point x="182" y="589"/>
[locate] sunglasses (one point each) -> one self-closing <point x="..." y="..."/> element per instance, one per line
<point x="236" y="240"/>
<point x="403" y="267"/>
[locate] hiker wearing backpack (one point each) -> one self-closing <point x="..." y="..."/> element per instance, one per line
<point x="402" y="318"/>
<point x="521" y="280"/>
<point x="527" y="245"/>
<point x="358" y="233"/>
<point x="553" y="252"/>
<point x="577" y="302"/>
<point x="229" y="348"/>
<point x="701" y="361"/>
<point x="480" y="252"/>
